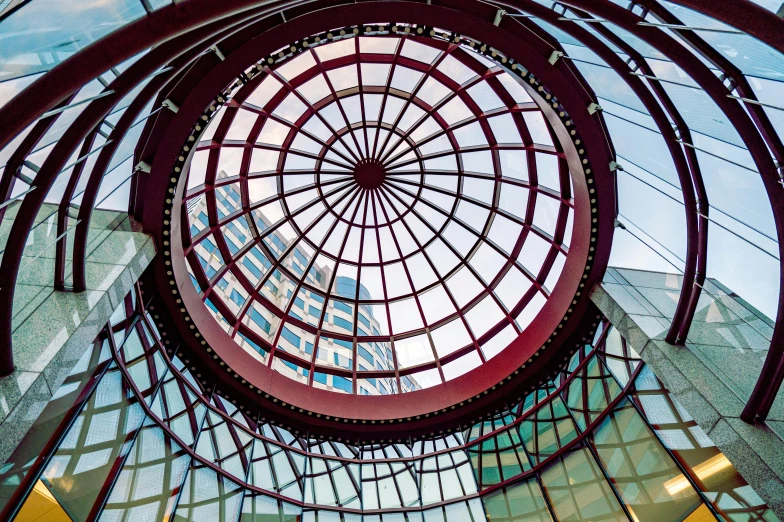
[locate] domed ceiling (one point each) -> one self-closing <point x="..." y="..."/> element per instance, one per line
<point x="393" y="212"/>
<point x="381" y="223"/>
<point x="417" y="168"/>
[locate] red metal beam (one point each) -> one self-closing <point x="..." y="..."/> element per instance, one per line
<point x="51" y="89"/>
<point x="478" y="380"/>
<point x="191" y="46"/>
<point x="761" y="120"/>
<point x="772" y="373"/>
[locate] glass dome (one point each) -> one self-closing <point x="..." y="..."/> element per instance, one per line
<point x="391" y="204"/>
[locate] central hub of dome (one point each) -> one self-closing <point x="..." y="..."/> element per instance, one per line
<point x="369" y="173"/>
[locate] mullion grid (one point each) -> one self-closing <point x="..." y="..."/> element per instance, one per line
<point x="194" y="465"/>
<point x="269" y="449"/>
<point x="76" y="441"/>
<point x="319" y="69"/>
<point x="405" y="470"/>
<point x="133" y="399"/>
<point x="355" y="320"/>
<point x="579" y="398"/>
<point x="589" y="447"/>
<point x="286" y="317"/>
<point x="407" y="102"/>
<point x="426" y="473"/>
<point x="152" y="347"/>
<point x="633" y="476"/>
<point x="464" y="261"/>
<point x="180" y="374"/>
<point x="319" y="332"/>
<point x="280" y="196"/>
<point x="438" y="209"/>
<point x="459" y="92"/>
<point x="442" y="280"/>
<point x="431" y="113"/>
<point x="385" y="194"/>
<point x="336" y="486"/>
<point x="387" y="312"/>
<point x="221" y="492"/>
<point x="133" y="477"/>
<point x="385" y="94"/>
<point x="191" y="406"/>
<point x="222" y="427"/>
<point x="575" y="377"/>
<point x="354" y="383"/>
<point x="277" y="264"/>
<point x="289" y="137"/>
<point x="447" y="453"/>
<point x="492" y="458"/>
<point x="147" y="359"/>
<point x="628" y="357"/>
<point x="361" y="97"/>
<point x="323" y="71"/>
<point x="681" y="437"/>
<point x="410" y="280"/>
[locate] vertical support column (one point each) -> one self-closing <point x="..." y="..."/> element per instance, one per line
<point x="713" y="373"/>
<point x="52" y="330"/>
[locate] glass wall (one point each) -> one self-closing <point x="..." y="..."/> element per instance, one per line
<point x="650" y="196"/>
<point x="604" y="440"/>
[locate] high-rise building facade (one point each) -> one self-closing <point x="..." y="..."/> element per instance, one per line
<point x="399" y="261"/>
<point x="308" y="306"/>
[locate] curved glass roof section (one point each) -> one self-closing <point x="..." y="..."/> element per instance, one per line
<point x="742" y="249"/>
<point x="378" y="205"/>
<point x="743" y="232"/>
<point x="554" y="454"/>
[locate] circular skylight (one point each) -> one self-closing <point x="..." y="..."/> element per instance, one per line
<point x="378" y="214"/>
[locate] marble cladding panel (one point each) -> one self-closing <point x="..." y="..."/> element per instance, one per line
<point x="52" y="329"/>
<point x="713" y="373"/>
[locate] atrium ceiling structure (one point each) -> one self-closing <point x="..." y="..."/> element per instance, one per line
<point x="379" y="221"/>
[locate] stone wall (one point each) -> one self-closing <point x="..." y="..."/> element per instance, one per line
<point x="53" y="329"/>
<point x="713" y="373"/>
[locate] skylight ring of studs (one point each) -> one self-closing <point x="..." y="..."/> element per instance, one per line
<point x="488" y="286"/>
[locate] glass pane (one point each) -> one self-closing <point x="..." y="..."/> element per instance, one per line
<point x="94" y="445"/>
<point x="522" y="502"/>
<point x="208" y="496"/>
<point x="649" y="482"/>
<point x="729" y="493"/>
<point x="548" y="430"/>
<point x="577" y="490"/>
<point x="147" y="486"/>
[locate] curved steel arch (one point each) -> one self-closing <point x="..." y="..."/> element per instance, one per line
<point x="88" y="119"/>
<point x="696" y="244"/>
<point x="773" y="371"/>
<point x="284" y="389"/>
<point x="60" y="82"/>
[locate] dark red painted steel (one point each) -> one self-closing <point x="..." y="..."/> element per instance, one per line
<point x="63" y="216"/>
<point x="685" y="161"/>
<point x="183" y="60"/>
<point x="156" y="28"/>
<point x="773" y="371"/>
<point x="25" y="147"/>
<point x="91" y="116"/>
<point x="451" y="392"/>
<point x="772" y="374"/>
<point x="745" y="15"/>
